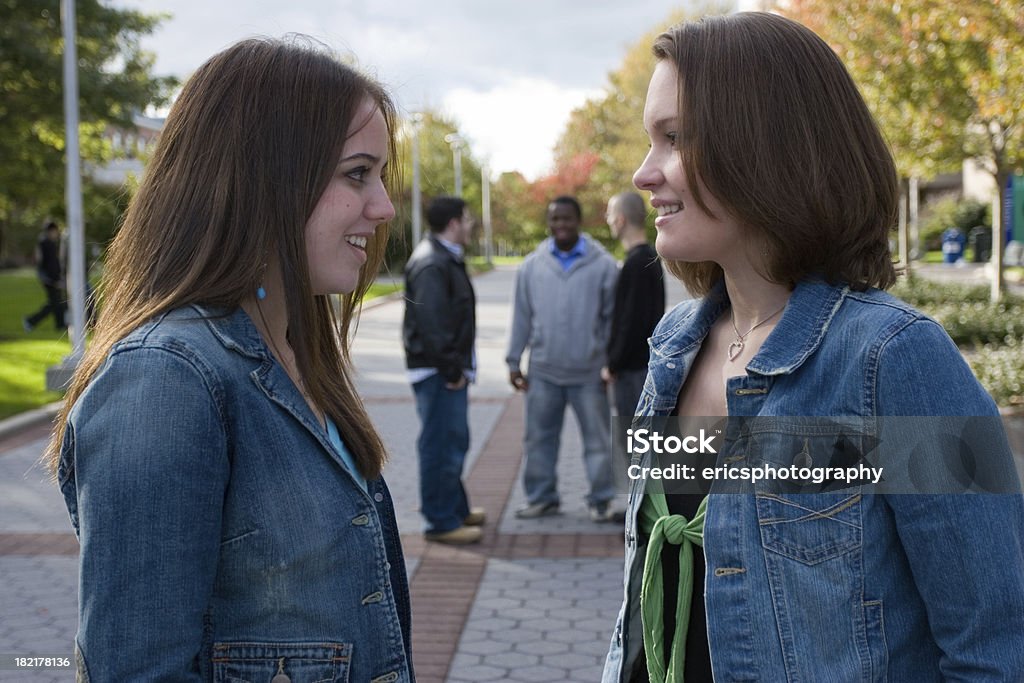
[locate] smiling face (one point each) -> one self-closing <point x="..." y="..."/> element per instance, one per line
<point x="354" y="203"/>
<point x="685" y="231"/>
<point x="563" y="224"/>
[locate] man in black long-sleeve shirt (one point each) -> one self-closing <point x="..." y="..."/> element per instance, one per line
<point x="51" y="276"/>
<point x="639" y="301"/>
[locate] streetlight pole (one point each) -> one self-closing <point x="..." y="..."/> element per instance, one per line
<point x="455" y="141"/>
<point x="485" y="174"/>
<point x="73" y="191"/>
<point x="417" y="217"/>
<point x="58" y="377"/>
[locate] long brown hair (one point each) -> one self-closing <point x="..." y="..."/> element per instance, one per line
<point x="247" y="150"/>
<point x="772" y="123"/>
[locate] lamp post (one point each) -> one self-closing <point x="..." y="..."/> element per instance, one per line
<point x="58" y="376"/>
<point x="485" y="176"/>
<point x="417" y="217"/>
<point x="455" y="141"/>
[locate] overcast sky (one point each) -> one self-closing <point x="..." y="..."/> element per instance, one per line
<point x="509" y="72"/>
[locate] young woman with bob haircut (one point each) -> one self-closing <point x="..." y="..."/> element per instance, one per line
<point x="775" y="195"/>
<point x="221" y="473"/>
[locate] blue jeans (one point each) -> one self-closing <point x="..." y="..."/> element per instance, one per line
<point x="442" y="446"/>
<point x="545" y="413"/>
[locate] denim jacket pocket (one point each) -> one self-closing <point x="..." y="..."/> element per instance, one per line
<point x="809" y="521"/>
<point x="810" y="527"/>
<point x="299" y="662"/>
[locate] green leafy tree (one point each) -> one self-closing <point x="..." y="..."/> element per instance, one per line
<point x="115" y="81"/>
<point x="945" y="79"/>
<point x="611" y="127"/>
<point x="437" y="177"/>
<point x="518" y="215"/>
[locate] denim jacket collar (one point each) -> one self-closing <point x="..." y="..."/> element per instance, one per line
<point x="797" y="335"/>
<point x="236" y="331"/>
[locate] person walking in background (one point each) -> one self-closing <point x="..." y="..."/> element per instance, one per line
<point x="564" y="295"/>
<point x="438" y="332"/>
<point x="639" y="302"/>
<point x="776" y="194"/>
<point x="50" y="271"/>
<point x="220" y="470"/>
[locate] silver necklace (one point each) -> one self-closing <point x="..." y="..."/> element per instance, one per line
<point x="736" y="347"/>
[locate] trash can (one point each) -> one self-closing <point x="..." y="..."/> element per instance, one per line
<point x="953" y="242"/>
<point x="980" y="239"/>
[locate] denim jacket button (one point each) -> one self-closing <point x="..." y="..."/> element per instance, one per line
<point x="361" y="520"/>
<point x="281" y="678"/>
<point x="379" y="497"/>
<point x="370" y="599"/>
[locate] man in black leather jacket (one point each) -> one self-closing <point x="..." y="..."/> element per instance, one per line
<point x="438" y="331"/>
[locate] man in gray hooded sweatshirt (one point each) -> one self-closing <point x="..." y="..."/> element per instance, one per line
<point x="565" y="293"/>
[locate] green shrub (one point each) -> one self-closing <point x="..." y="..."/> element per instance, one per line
<point x="975" y="324"/>
<point x="922" y="292"/>
<point x="965" y="310"/>
<point x="1000" y="369"/>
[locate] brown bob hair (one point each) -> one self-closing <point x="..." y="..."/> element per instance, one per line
<point x="773" y="124"/>
<point x="247" y="149"/>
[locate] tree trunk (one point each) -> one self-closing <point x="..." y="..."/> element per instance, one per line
<point x="998" y="233"/>
<point x="913" y="195"/>
<point x="904" y="234"/>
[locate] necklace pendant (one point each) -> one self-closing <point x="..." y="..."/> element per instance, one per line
<point x="735" y="348"/>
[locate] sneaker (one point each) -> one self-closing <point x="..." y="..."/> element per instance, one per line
<point x="463" y="535"/>
<point x="26" y="324"/>
<point x="604" y="512"/>
<point x="476" y="517"/>
<point x="535" y="510"/>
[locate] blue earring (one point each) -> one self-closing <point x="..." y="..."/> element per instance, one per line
<point x="261" y="293"/>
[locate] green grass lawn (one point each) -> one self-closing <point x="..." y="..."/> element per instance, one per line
<point x="378" y="289"/>
<point x="24" y="357"/>
<point x="939" y="257"/>
<point x="497" y="260"/>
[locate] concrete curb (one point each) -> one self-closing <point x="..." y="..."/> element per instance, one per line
<point x="29" y="419"/>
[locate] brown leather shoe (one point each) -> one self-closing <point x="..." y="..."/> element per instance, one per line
<point x="463" y="535"/>
<point x="476" y="517"/>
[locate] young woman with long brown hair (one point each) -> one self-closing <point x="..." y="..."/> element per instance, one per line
<point x="220" y="470"/>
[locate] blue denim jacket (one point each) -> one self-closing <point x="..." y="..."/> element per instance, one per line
<point x="843" y="586"/>
<point x="222" y="538"/>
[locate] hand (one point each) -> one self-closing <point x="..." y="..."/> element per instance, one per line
<point x="607" y="376"/>
<point x="455" y="386"/>
<point x="518" y="381"/>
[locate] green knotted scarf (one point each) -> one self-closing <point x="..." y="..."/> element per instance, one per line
<point x="660" y="527"/>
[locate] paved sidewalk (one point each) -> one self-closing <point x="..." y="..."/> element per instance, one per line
<point x="963" y="273"/>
